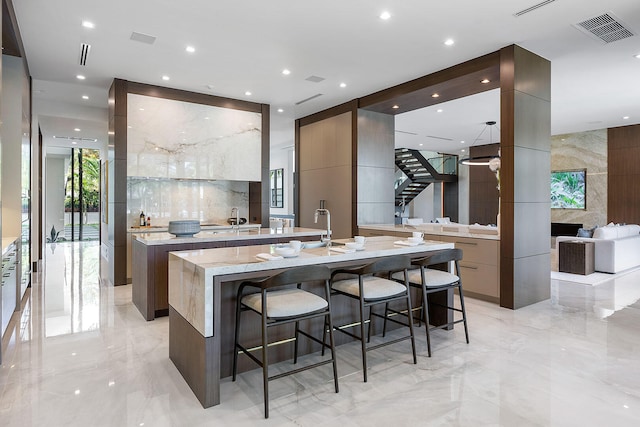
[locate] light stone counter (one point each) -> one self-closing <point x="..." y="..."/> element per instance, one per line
<point x="453" y="230"/>
<point x="203" y="227"/>
<point x="244" y="233"/>
<point x="202" y="298"/>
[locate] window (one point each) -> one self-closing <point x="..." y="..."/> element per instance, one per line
<point x="276" y="177"/>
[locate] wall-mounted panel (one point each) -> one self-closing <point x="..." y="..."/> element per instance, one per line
<point x="175" y="139"/>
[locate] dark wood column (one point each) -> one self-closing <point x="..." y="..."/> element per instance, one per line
<point x="525" y="139"/>
<point x="623" y="201"/>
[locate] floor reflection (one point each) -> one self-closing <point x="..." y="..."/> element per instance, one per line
<point x="603" y="299"/>
<point x="71" y="288"/>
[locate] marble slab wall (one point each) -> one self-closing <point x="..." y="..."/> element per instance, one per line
<point x="175" y="139"/>
<point x="165" y="200"/>
<point x="583" y="150"/>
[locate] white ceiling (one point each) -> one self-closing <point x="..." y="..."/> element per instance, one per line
<point x="244" y="46"/>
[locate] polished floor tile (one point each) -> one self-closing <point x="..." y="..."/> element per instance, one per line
<point x="81" y="354"/>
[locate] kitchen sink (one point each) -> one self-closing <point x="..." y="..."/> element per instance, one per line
<point x="313" y="244"/>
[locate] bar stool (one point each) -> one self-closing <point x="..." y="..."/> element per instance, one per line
<point x="431" y="280"/>
<point x="372" y="290"/>
<point x="285" y="305"/>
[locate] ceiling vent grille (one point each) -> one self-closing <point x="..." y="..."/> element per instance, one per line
<point x="314" y="79"/>
<point x="76" y="138"/>
<point x="143" y="38"/>
<point x="532" y="8"/>
<point x="309" y="99"/>
<point x="406" y="132"/>
<point x="84" y="53"/>
<point x="605" y="28"/>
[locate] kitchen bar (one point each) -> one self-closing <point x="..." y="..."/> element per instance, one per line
<point x="149" y="253"/>
<point x="202" y="300"/>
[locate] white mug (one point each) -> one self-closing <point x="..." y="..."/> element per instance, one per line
<point x="296" y="245"/>
<point x="359" y="239"/>
<point x="418" y="235"/>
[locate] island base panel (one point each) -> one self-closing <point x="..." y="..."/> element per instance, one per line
<point x="196" y="358"/>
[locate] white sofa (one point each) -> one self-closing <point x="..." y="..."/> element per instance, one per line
<point x="617" y="247"/>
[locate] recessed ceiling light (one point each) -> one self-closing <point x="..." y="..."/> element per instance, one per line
<point x="439" y="110"/>
<point x="385" y="15"/>
<point x="77" y="129"/>
<point x="625" y="118"/>
<point x="343" y="85"/>
<point x="637" y="56"/>
<point x="461" y="142"/>
<point x="435" y="95"/>
<point x="80" y="77"/>
<point x="395" y="107"/>
<point x="210" y="87"/>
<point x="286" y="72"/>
<point x="85" y="97"/>
<point x="247" y="93"/>
<point x="420" y="145"/>
<point x="206" y="118"/>
<point x="141" y="109"/>
<point x="449" y="42"/>
<point x="463" y="150"/>
<point x="166" y="78"/>
<point x="129" y="127"/>
<point x="111" y="132"/>
<point x="74" y="142"/>
<point x="485" y="81"/>
<point x="88" y="24"/>
<point x="280" y="110"/>
<point x="190" y="49"/>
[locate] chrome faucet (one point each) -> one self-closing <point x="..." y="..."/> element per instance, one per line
<point x="326" y="212"/>
<point x="237" y="211"/>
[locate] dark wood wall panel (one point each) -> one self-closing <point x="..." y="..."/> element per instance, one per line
<point x="623" y="191"/>
<point x="483" y="188"/>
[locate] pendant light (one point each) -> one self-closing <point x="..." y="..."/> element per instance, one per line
<point x="481" y="160"/>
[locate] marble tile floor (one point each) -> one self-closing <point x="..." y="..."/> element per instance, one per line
<point x="81" y="354"/>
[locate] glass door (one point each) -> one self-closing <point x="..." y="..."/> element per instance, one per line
<point x="82" y="196"/>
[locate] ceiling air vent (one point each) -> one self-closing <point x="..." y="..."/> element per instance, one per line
<point x="605" y="28"/>
<point x="406" y="132"/>
<point x="309" y="98"/>
<point x="314" y="79"/>
<point x="76" y="138"/>
<point x="142" y="38"/>
<point x="532" y="8"/>
<point x="84" y="53"/>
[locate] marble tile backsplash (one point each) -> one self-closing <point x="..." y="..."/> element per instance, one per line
<point x="165" y="200"/>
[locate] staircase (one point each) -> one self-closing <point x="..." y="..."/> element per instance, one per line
<point x="419" y="172"/>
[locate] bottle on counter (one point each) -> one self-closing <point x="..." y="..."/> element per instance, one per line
<point x="143" y="221"/>
<point x="148" y="221"/>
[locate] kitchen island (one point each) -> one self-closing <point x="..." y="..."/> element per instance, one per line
<point x="202" y="298"/>
<point x="149" y="254"/>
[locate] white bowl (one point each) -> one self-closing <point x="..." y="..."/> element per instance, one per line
<point x="285" y="251"/>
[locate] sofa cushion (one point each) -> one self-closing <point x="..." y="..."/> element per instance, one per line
<point x="607" y="233"/>
<point x="586" y="232"/>
<point x="628" y="230"/>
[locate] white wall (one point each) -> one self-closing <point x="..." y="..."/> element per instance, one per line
<point x="54" y="172"/>
<point x="284" y="158"/>
<point x="11" y="98"/>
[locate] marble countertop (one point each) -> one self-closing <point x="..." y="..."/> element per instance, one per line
<point x="165" y="228"/>
<point x="6" y="242"/>
<point x="455" y="230"/>
<point x="191" y="273"/>
<point x="212" y="235"/>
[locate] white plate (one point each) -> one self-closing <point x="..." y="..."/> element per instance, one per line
<point x="290" y="255"/>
